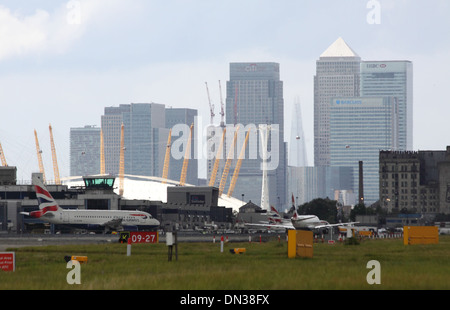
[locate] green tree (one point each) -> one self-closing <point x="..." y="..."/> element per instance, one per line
<point x="359" y="209"/>
<point x="325" y="209"/>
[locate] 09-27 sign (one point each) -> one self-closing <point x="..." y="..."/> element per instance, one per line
<point x="144" y="237"/>
<point x="139" y="237"/>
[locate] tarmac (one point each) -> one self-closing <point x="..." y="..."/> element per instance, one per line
<point x="12" y="240"/>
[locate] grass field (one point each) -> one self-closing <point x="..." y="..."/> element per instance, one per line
<point x="201" y="266"/>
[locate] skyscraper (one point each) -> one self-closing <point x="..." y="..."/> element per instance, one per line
<point x="255" y="97"/>
<point x="84" y="150"/>
<point x="395" y="79"/>
<point x="145" y="136"/>
<point x="337" y="75"/>
<point x="175" y="116"/>
<point x="297" y="148"/>
<point x="359" y="128"/>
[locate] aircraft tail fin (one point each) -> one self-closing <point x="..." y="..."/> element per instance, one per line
<point x="46" y="201"/>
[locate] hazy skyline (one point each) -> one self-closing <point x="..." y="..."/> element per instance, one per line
<point x="63" y="62"/>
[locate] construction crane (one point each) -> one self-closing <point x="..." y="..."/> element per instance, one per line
<point x="212" y="180"/>
<point x="167" y="158"/>
<point x="121" y="161"/>
<point x="226" y="169"/>
<point x="55" y="161"/>
<point x="102" y="153"/>
<point x="211" y="106"/>
<point x="238" y="166"/>
<point x="2" y="156"/>
<point x="186" y="158"/>
<point x="39" y="156"/>
<point x="222" y="111"/>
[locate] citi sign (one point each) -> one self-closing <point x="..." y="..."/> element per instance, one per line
<point x="376" y="66"/>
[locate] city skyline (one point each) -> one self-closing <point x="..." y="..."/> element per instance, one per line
<point x="63" y="68"/>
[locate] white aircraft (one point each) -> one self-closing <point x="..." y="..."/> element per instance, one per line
<point x="49" y="211"/>
<point x="303" y="222"/>
<point x="275" y="218"/>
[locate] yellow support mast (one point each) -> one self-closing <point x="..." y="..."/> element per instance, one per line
<point x="212" y="180"/>
<point x="238" y="166"/>
<point x="39" y="156"/>
<point x="122" y="160"/>
<point x="223" y="180"/>
<point x="186" y="158"/>
<point x="2" y="156"/>
<point x="55" y="161"/>
<point x="167" y="158"/>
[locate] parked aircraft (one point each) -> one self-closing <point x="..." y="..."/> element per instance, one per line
<point x="303" y="222"/>
<point x="49" y="211"/>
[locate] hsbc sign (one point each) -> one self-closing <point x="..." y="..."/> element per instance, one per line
<point x="375" y="66"/>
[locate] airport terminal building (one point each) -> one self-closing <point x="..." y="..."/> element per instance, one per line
<point x="186" y="207"/>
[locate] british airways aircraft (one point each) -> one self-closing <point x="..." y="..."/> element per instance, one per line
<point x="49" y="211"/>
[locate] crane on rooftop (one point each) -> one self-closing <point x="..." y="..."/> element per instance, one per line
<point x="211" y="106"/>
<point x="222" y="112"/>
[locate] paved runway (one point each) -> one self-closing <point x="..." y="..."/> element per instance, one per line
<point x="16" y="241"/>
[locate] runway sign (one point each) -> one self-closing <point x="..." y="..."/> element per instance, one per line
<point x="8" y="261"/>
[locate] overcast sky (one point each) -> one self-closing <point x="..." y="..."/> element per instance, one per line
<point x="62" y="62"/>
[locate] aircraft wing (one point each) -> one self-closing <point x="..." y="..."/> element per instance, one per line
<point x="115" y="224"/>
<point x="334" y="225"/>
<point x="285" y="226"/>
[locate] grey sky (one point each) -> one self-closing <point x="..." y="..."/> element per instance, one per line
<point x="61" y="65"/>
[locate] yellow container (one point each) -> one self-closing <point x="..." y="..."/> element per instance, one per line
<point x="304" y="243"/>
<point x="420" y="235"/>
<point x="292" y="243"/>
<point x="238" y="251"/>
<point x="80" y="259"/>
<point x="300" y="243"/>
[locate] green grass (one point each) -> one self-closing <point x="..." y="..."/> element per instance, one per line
<point x="265" y="266"/>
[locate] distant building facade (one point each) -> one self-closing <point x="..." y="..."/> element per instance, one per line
<point x="308" y="183"/>
<point x="337" y="75"/>
<point x="359" y="128"/>
<point x="415" y="181"/>
<point x="184" y="116"/>
<point x="255" y="97"/>
<point x="84" y="150"/>
<point x="146" y="129"/>
<point x="392" y="79"/>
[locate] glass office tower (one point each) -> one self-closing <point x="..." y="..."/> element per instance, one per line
<point x="359" y="128"/>
<point x="175" y="116"/>
<point x="84" y="150"/>
<point x="145" y="138"/>
<point x="337" y="74"/>
<point x="394" y="79"/>
<point x="254" y="97"/>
